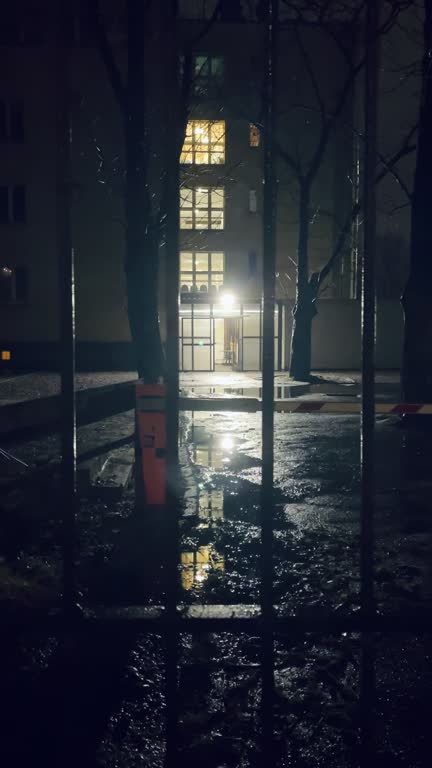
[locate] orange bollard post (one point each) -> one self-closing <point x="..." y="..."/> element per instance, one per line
<point x="151" y="421"/>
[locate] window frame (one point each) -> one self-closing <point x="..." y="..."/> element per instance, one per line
<point x="197" y="277"/>
<point x="207" y="145"/>
<point x="208" y="214"/>
<point x="208" y="84"/>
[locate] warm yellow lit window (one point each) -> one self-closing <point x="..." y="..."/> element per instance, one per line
<point x="202" y="208"/>
<point x="201" y="271"/>
<point x="5" y="355"/>
<point x="204" y="142"/>
<point x="254" y="135"/>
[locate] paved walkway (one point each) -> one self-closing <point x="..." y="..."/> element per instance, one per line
<point x="32" y="386"/>
<point x="31" y="400"/>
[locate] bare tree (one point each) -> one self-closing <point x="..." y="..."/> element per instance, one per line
<point x="337" y="23"/>
<point x="145" y="86"/>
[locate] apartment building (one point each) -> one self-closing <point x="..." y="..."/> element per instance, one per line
<point x="220" y="197"/>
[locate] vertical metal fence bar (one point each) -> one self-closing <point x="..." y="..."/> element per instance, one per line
<point x="67" y="314"/>
<point x="268" y="358"/>
<point x="172" y="281"/>
<point x="279" y="336"/>
<point x="367" y="682"/>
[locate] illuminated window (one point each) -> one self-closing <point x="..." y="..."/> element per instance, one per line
<point x="202" y="208"/>
<point x="201" y="271"/>
<point x="204" y="142"/>
<point x="254" y="135"/>
<point x="13" y="285"/>
<point x="208" y="76"/>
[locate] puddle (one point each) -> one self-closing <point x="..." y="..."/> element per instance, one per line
<point x="218" y="452"/>
<point x="198" y="564"/>
<point x="221" y="541"/>
<point x="281" y="392"/>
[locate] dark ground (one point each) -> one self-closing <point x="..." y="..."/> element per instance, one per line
<point x="97" y="699"/>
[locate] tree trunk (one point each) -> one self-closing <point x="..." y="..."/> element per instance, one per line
<point x="142" y="246"/>
<point x="304" y="310"/>
<point x="417" y="298"/>
<point x="301" y="341"/>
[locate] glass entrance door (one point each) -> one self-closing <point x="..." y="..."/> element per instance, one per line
<point x="197" y="340"/>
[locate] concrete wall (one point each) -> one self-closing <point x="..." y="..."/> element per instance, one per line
<point x="336" y="334"/>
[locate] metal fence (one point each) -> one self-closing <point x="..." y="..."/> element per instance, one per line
<point x="171" y="619"/>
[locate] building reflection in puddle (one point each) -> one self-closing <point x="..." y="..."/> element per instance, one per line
<point x="210" y="505"/>
<point x="212" y="452"/>
<point x="197" y="564"/>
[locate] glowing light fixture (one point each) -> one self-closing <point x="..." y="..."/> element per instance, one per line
<point x="227" y="300"/>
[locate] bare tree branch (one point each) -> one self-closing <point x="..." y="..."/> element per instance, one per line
<point x="290" y="161"/>
<point x="311" y="73"/>
<point x="108" y="57"/>
<point x="405" y="150"/>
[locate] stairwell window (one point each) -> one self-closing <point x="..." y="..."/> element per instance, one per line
<point x="202" y="208"/>
<point x="201" y="271"/>
<point x="204" y="143"/>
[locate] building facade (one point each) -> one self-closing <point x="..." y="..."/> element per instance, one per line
<point x="220" y="195"/>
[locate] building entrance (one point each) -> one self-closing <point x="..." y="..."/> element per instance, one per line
<point x="216" y="339"/>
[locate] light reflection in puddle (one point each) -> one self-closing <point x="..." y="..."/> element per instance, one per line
<point x="213" y="452"/>
<point x="211" y="505"/>
<point x="197" y="564"/>
<point x="282" y="392"/>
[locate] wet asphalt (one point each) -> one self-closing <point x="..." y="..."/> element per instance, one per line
<point x="99" y="700"/>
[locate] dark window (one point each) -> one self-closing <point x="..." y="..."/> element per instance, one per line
<point x="67" y="22"/>
<point x="10" y="33"/>
<point x="21" y="284"/>
<point x="34" y="27"/>
<point x="86" y="29"/>
<point x="11" y="122"/>
<point x="13" y="204"/>
<point x="19" y="204"/>
<point x="3" y="122"/>
<point x="77" y="27"/>
<point x="208" y="76"/>
<point x="4" y="204"/>
<point x="16" y="125"/>
<point x="13" y="285"/>
<point x="252" y="259"/>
